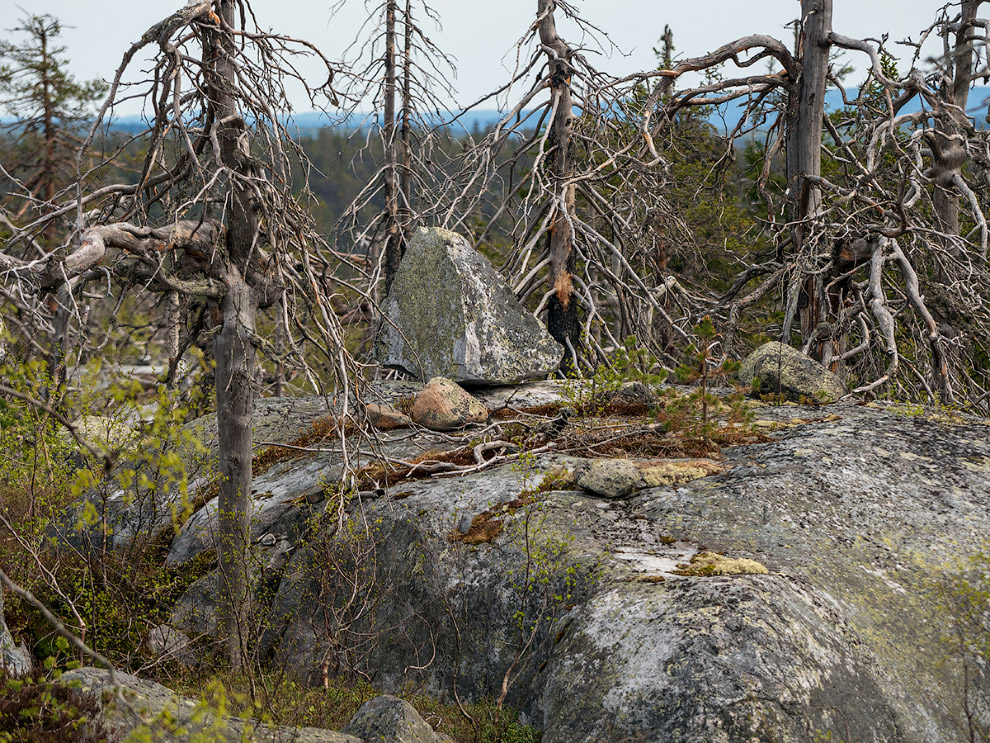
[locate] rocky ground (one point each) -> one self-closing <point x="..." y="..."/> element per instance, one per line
<point x="782" y="589"/>
<point x="610" y="584"/>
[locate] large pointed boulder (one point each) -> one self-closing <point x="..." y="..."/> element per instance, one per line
<point x="450" y="314"/>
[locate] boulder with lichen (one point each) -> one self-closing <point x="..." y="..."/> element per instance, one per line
<point x="449" y="313"/>
<point x="775" y="370"/>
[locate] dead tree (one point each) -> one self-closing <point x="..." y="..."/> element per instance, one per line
<point x="558" y="177"/>
<point x="407" y="76"/>
<point x="856" y="261"/>
<point x="949" y="138"/>
<point x="213" y="215"/>
<point x="562" y="316"/>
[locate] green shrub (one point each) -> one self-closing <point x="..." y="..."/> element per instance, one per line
<point x="34" y="709"/>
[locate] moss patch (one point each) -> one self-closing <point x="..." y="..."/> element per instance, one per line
<point x="489" y="523"/>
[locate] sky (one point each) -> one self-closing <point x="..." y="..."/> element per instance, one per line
<point x="481" y="34"/>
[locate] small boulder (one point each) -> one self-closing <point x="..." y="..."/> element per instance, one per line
<point x="154" y="712"/>
<point x="166" y="643"/>
<point x="385" y="417"/>
<point x="777" y="368"/>
<point x="634" y="393"/>
<point x="388" y="719"/>
<point x="610" y="478"/>
<point x="450" y="313"/>
<point x="445" y="406"/>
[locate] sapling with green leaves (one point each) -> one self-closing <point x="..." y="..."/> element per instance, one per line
<point x="705" y="368"/>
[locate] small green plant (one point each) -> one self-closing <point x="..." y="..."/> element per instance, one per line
<point x="629" y="363"/>
<point x="37" y="708"/>
<point x="544" y="588"/>
<point x="697" y="409"/>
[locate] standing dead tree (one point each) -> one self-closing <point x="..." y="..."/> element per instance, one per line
<point x="560" y="178"/>
<point x="404" y="76"/>
<point x="213" y="214"/>
<point x="863" y="267"/>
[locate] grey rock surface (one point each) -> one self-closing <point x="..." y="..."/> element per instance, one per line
<point x="777" y="368"/>
<point x="138" y="512"/>
<point x="610" y="478"/>
<point x="858" y="515"/>
<point x="166" y="643"/>
<point x="388" y="719"/>
<point x="154" y="712"/>
<point x="134" y="515"/>
<point x="13" y="657"/>
<point x="854" y="515"/>
<point x="450" y="314"/>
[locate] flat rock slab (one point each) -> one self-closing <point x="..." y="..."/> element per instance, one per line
<point x="450" y="314"/>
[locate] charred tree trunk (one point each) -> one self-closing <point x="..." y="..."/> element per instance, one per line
<point x="393" y="234"/>
<point x="562" y="309"/>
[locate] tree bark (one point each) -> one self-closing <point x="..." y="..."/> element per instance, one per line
<point x="235" y="367"/>
<point x="404" y="211"/>
<point x="804" y="146"/>
<point x="393" y="236"/>
<point x="235" y="353"/>
<point x="562" y="309"/>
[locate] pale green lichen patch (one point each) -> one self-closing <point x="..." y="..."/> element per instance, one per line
<point x="672" y="472"/>
<point x="712" y="563"/>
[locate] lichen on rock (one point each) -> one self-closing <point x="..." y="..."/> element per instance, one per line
<point x="673" y="471"/>
<point x="449" y="313"/>
<point x="712" y="563"/>
<point x="776" y="369"/>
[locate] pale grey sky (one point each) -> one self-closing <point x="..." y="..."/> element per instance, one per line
<point x="480" y="33"/>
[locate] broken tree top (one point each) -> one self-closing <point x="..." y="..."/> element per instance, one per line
<point x="449" y="313"/>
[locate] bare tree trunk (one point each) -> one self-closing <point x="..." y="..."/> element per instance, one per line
<point x="562" y="309"/>
<point x="173" y="324"/>
<point x="235" y="355"/>
<point x="235" y="367"/>
<point x="58" y="356"/>
<point x="405" y="131"/>
<point x="948" y="140"/>
<point x="48" y="166"/>
<point x="393" y="237"/>
<point x="281" y="334"/>
<point x="804" y="146"/>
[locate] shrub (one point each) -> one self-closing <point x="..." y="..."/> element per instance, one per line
<point x="34" y="709"/>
